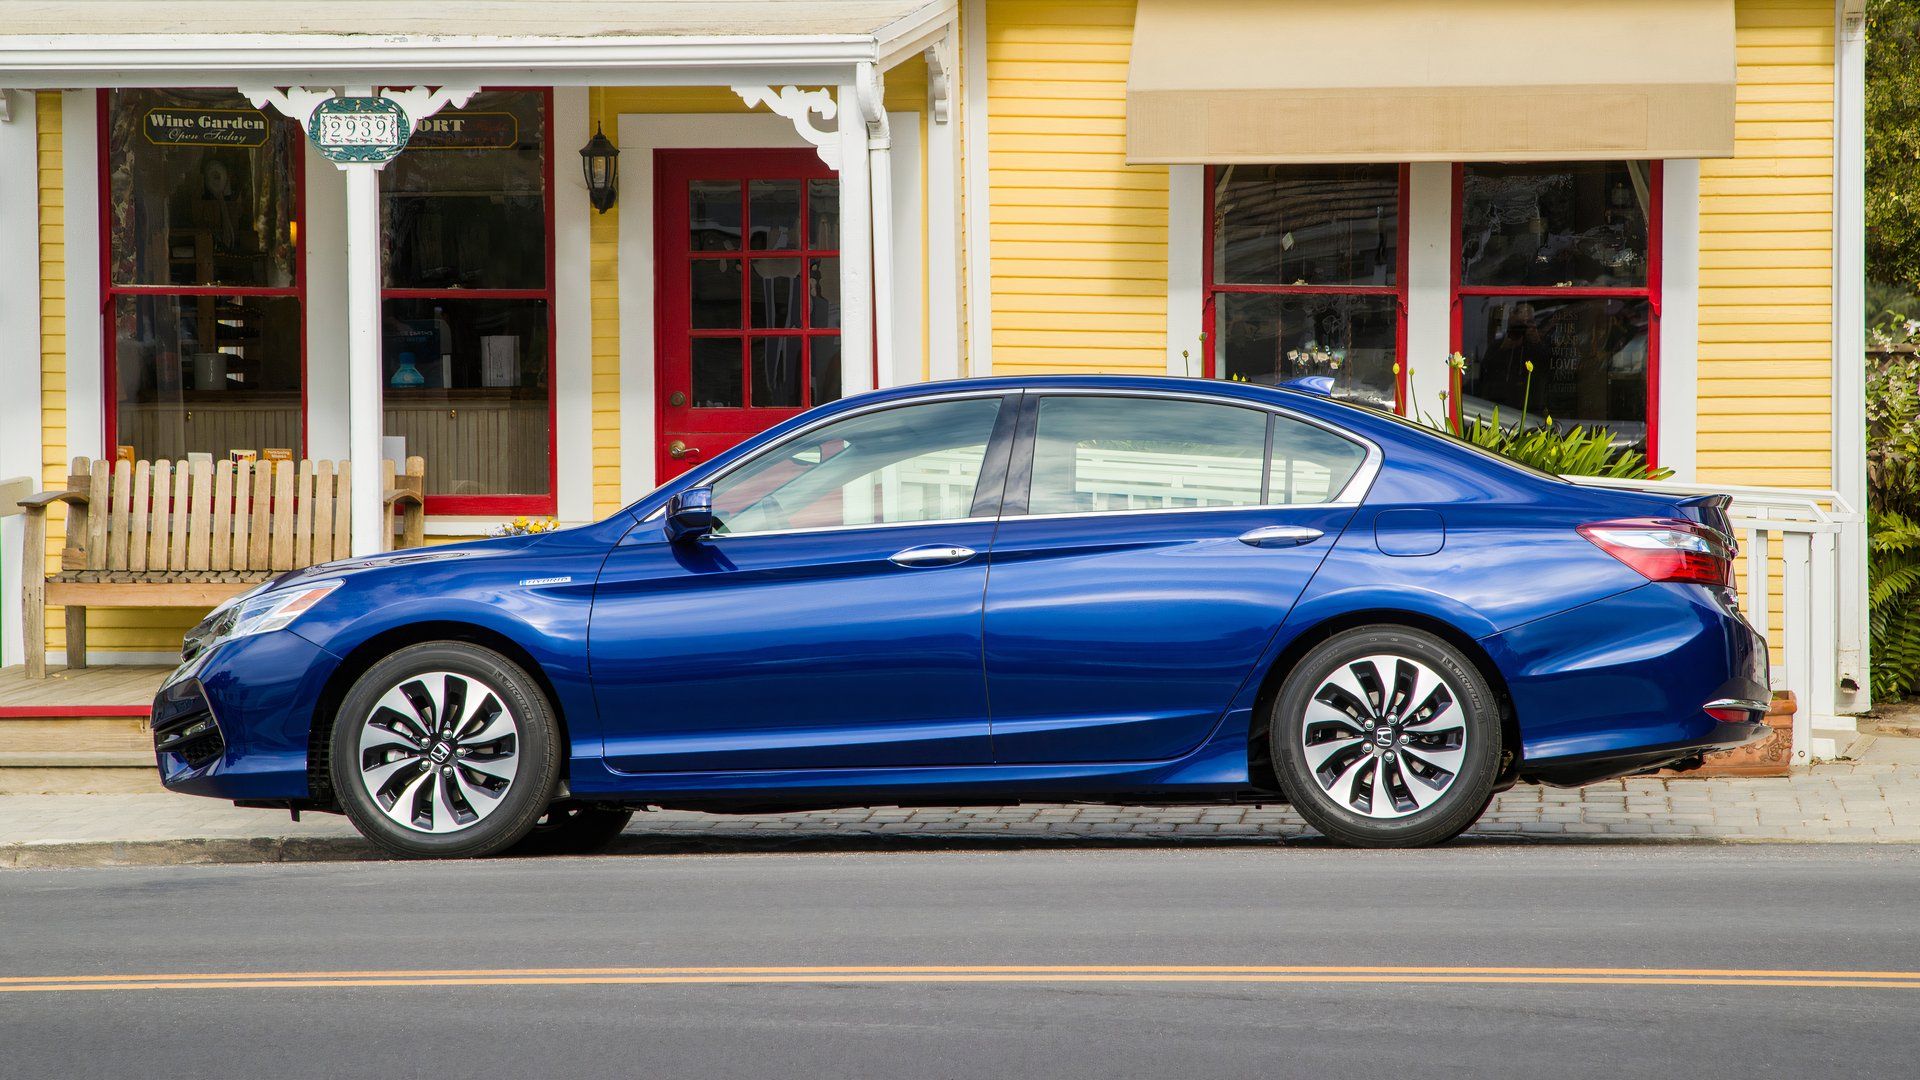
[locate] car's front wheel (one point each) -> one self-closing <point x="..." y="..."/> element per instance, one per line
<point x="1387" y="737"/>
<point x="445" y="749"/>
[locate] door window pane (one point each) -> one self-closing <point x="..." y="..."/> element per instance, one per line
<point x="777" y="375"/>
<point x="1095" y="454"/>
<point x="715" y="294"/>
<point x="716" y="373"/>
<point x="824" y="293"/>
<point x="1309" y="464"/>
<point x="823" y="368"/>
<point x="200" y="190"/>
<point x="465" y="383"/>
<point x="1564" y="223"/>
<point x="773" y="208"/>
<point x="713" y="215"/>
<point x="1588" y="357"/>
<point x="1306" y="224"/>
<point x="915" y="463"/>
<point x="207" y="374"/>
<point x="779" y="293"/>
<point x="823" y="215"/>
<point x="1270" y="338"/>
<point x="464" y="207"/>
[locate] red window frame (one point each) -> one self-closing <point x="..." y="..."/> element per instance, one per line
<point x="1209" y="289"/>
<point x="505" y="504"/>
<point x="1650" y="292"/>
<point x="109" y="339"/>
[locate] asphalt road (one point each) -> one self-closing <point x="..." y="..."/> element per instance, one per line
<point x="1633" y="961"/>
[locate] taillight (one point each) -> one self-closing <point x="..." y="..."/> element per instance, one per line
<point x="1666" y="549"/>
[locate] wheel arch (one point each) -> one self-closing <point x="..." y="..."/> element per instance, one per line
<point x="1260" y="765"/>
<point x="387" y="642"/>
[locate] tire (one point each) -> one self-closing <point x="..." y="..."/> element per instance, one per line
<point x="573" y="829"/>
<point x="1343" y="723"/>
<point x="418" y="789"/>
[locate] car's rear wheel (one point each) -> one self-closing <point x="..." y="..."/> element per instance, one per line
<point x="573" y="829"/>
<point x="1387" y="737"/>
<point x="445" y="749"/>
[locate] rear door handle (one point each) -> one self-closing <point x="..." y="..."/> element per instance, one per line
<point x="932" y="555"/>
<point x="1280" y="536"/>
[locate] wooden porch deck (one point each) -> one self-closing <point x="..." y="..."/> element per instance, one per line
<point x="78" y="732"/>
<point x="105" y="690"/>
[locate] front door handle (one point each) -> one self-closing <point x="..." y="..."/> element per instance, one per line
<point x="678" y="449"/>
<point x="1281" y="536"/>
<point x="932" y="555"/>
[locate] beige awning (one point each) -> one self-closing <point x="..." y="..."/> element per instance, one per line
<point x="1230" y="81"/>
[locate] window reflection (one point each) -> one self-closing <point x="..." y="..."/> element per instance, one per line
<point x="1581" y="223"/>
<point x="1589" y="360"/>
<point x="1273" y="337"/>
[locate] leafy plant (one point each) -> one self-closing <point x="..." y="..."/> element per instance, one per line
<point x="1581" y="450"/>
<point x="1893" y="604"/>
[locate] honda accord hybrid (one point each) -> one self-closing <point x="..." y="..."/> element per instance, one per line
<point x="1062" y="589"/>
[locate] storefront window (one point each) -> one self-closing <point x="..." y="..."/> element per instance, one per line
<point x="1557" y="269"/>
<point x="468" y="304"/>
<point x="205" y="342"/>
<point x="1305" y="276"/>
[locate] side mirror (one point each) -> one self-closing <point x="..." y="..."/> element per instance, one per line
<point x="690" y="515"/>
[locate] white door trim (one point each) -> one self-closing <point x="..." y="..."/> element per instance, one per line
<point x="1186" y="233"/>
<point x="639" y="135"/>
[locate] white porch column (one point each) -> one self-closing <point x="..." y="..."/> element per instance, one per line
<point x="873" y="116"/>
<point x="364" y="399"/>
<point x="856" y="248"/>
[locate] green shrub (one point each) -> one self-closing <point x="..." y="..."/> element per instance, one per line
<point x="1893" y="603"/>
<point x="1575" y="451"/>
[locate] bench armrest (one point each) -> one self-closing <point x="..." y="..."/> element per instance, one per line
<point x="396" y="496"/>
<point x="47" y="498"/>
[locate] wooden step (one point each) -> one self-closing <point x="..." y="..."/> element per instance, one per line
<point x="84" y="734"/>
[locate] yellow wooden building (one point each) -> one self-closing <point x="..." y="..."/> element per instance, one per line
<point x="1638" y="213"/>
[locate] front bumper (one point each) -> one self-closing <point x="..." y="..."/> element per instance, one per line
<point x="1619" y="686"/>
<point x="237" y="728"/>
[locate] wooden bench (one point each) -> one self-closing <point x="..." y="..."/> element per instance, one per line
<point x="190" y="534"/>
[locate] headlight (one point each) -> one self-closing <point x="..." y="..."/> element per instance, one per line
<point x="254" y="614"/>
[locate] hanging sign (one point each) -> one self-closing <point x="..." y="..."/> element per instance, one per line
<point x="456" y="130"/>
<point x="362" y="130"/>
<point x="205" y="127"/>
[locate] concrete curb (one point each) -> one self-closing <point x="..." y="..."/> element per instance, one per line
<point x="206" y="851"/>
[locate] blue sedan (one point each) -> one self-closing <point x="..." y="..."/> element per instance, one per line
<point x="996" y="591"/>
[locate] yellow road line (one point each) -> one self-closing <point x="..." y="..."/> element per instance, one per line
<point x="1893" y="980"/>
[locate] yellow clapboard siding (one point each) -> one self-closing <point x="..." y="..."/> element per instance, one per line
<point x="1079" y="238"/>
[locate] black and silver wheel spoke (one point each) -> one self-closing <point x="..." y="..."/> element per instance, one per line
<point x="438" y="752"/>
<point x="1383" y="736"/>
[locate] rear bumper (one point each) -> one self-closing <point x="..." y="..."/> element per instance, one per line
<point x="1619" y="685"/>
<point x="244" y="737"/>
<point x="1586" y="769"/>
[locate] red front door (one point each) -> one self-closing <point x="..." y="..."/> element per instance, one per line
<point x="748" y="305"/>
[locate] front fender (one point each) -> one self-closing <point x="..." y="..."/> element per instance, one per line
<point x="538" y="602"/>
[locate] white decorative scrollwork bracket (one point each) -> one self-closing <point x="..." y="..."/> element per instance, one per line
<point x="939" y="84"/>
<point x="798" y="106"/>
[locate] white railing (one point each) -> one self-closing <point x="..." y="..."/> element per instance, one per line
<point x="1821" y="627"/>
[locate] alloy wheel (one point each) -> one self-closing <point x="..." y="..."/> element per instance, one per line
<point x="1384" y="736"/>
<point x="439" y="751"/>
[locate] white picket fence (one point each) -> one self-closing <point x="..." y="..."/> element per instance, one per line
<point x="1808" y="548"/>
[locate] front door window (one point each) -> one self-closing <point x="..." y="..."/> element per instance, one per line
<point x="749" y="295"/>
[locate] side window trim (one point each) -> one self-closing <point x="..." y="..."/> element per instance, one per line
<point x="988" y="489"/>
<point x="1020" y="475"/>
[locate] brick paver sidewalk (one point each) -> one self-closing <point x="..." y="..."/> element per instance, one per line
<point x="1875" y="797"/>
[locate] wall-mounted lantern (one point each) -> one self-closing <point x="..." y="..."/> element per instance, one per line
<point x="600" y="163"/>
